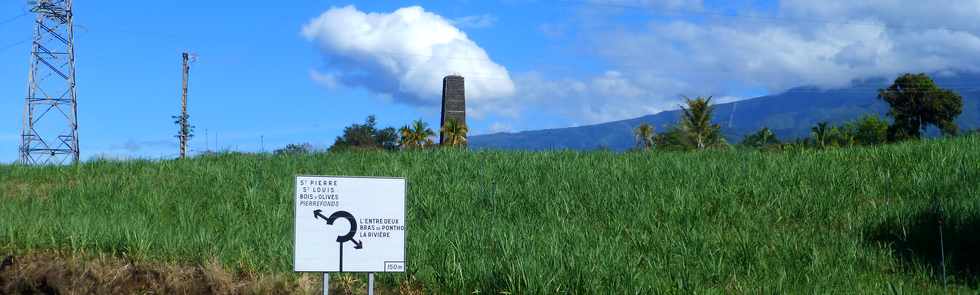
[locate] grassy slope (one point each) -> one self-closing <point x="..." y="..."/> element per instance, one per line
<point x="535" y="222"/>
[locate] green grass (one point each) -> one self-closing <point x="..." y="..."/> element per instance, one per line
<point x="835" y="221"/>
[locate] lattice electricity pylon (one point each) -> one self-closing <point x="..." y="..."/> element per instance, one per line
<point x="50" y="131"/>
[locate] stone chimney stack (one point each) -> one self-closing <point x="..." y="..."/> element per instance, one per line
<point x="453" y="101"/>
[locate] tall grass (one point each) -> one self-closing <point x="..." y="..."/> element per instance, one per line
<point x="536" y="222"/>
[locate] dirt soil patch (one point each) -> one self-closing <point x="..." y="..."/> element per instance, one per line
<point x="54" y="273"/>
<point x="62" y="273"/>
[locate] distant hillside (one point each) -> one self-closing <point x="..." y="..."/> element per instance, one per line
<point x="790" y="115"/>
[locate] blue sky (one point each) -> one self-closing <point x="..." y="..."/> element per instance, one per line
<point x="273" y="73"/>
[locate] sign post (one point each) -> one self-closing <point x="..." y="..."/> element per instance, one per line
<point x="365" y="215"/>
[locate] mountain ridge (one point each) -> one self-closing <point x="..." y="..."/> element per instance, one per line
<point x="789" y="114"/>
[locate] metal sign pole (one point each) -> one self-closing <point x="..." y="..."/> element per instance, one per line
<point x="326" y="283"/>
<point x="370" y="283"/>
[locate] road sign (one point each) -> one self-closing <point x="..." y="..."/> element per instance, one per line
<point x="349" y="224"/>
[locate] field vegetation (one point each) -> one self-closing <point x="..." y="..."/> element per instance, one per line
<point x="862" y="219"/>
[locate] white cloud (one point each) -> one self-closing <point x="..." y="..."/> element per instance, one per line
<point x="498" y="127"/>
<point x="726" y="99"/>
<point x="606" y="97"/>
<point x="668" y="4"/>
<point x="406" y="54"/>
<point x="914" y="15"/>
<point x="551" y="30"/>
<point x="133" y="145"/>
<point x="822" y="43"/>
<point x="328" y="80"/>
<point x="475" y="21"/>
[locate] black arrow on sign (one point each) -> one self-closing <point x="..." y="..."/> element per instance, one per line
<point x="350" y="218"/>
<point x="340" y="214"/>
<point x="344" y="238"/>
<point x="316" y="214"/>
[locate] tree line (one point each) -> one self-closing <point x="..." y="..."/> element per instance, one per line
<point x="915" y="103"/>
<point x="368" y="136"/>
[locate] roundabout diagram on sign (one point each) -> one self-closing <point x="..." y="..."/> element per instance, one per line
<point x="343" y="238"/>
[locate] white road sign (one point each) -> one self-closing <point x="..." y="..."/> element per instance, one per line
<point x="349" y="224"/>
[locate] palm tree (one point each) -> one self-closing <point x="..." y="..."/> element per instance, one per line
<point x="644" y="136"/>
<point x="406" y="141"/>
<point x="417" y="135"/>
<point x="423" y="133"/>
<point x="767" y="136"/>
<point x="696" y="122"/>
<point x="820" y="134"/>
<point x="848" y="137"/>
<point x="454" y="133"/>
<point x="762" y="138"/>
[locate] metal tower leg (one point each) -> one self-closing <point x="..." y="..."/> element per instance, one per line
<point x="50" y="127"/>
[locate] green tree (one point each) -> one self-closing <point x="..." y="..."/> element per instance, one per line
<point x="405" y="141"/>
<point x="870" y="130"/>
<point x="762" y="138"/>
<point x="366" y="136"/>
<point x="673" y="139"/>
<point x="841" y="136"/>
<point x="454" y="133"/>
<point x="418" y="135"/>
<point x="696" y="123"/>
<point x="916" y="102"/>
<point x="820" y="134"/>
<point x="644" y="136"/>
<point x="294" y="149"/>
<point x="387" y="138"/>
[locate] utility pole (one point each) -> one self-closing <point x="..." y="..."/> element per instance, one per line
<point x="49" y="134"/>
<point x="184" y="128"/>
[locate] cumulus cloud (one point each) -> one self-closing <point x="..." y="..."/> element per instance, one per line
<point x="405" y="54"/>
<point x="328" y="80"/>
<point x="827" y="44"/>
<point x="602" y="98"/>
<point x="823" y="43"/>
<point x="916" y="15"/>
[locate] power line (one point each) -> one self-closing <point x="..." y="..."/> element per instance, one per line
<point x="9" y="20"/>
<point x="12" y="45"/>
